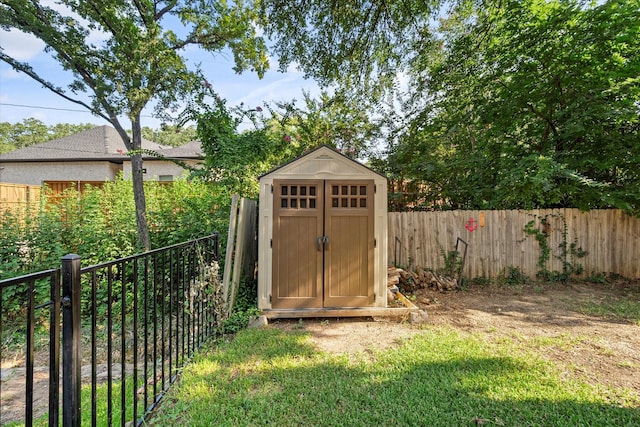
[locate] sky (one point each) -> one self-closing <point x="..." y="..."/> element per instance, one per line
<point x="22" y="97"/>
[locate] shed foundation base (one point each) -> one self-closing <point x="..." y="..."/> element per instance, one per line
<point x="339" y="312"/>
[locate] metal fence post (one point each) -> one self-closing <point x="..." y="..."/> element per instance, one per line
<point x="71" y="331"/>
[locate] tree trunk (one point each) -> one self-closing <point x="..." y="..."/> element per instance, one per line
<point x="134" y="144"/>
<point x="137" y="176"/>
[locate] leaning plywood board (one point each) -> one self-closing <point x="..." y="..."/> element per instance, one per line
<point x="251" y="242"/>
<point x="243" y="244"/>
<point x="228" y="260"/>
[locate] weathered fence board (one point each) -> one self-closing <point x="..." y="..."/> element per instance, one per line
<point x="497" y="240"/>
<point x="242" y="248"/>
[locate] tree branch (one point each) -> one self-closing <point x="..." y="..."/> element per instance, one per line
<point x="210" y="39"/>
<point x="103" y="20"/>
<point x="170" y="5"/>
<point x="143" y="13"/>
<point x="48" y="85"/>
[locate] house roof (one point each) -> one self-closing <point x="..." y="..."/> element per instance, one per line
<point x="99" y="143"/>
<point x="191" y="150"/>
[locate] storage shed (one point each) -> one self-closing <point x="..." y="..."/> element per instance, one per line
<point x="322" y="240"/>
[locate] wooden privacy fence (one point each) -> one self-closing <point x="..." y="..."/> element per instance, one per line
<point x="18" y="195"/>
<point x="498" y="240"/>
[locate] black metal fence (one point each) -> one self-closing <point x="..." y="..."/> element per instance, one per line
<point x="102" y="344"/>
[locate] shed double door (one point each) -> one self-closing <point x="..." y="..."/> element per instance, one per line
<point x="323" y="244"/>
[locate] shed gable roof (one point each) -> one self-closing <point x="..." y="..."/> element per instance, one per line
<point x="321" y="156"/>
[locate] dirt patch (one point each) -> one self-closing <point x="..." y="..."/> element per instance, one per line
<point x="548" y="319"/>
<point x="348" y="335"/>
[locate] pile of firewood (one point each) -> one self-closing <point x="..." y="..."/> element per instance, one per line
<point x="419" y="278"/>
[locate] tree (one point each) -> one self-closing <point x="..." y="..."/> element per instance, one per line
<point x="521" y="104"/>
<point x="529" y="104"/>
<point x="340" y="121"/>
<point x="138" y="60"/>
<point x="279" y="132"/>
<point x="33" y="131"/>
<point x="360" y="45"/>
<point x="233" y="158"/>
<point x="172" y="135"/>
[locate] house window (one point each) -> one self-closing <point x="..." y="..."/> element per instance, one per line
<point x="165" y="178"/>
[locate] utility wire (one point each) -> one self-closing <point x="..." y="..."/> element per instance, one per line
<point x="73" y="110"/>
<point x="54" y="108"/>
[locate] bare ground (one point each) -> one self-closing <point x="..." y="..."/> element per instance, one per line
<point x="547" y="318"/>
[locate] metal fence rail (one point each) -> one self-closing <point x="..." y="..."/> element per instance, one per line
<point x="31" y="290"/>
<point x="128" y="326"/>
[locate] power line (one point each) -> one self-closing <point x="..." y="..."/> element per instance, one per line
<point x="54" y="108"/>
<point x="244" y="120"/>
<point x="44" y="108"/>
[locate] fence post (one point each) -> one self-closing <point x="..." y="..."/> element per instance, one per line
<point x="71" y="330"/>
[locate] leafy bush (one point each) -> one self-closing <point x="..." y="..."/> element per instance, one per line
<point x="100" y="225"/>
<point x="12" y="240"/>
<point x="186" y="210"/>
<point x="245" y="307"/>
<point x="514" y="276"/>
<point x="238" y="320"/>
<point x="599" y="278"/>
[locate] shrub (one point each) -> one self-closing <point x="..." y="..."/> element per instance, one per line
<point x="245" y="307"/>
<point x="100" y="225"/>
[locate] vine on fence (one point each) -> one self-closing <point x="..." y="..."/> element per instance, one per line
<point x="452" y="261"/>
<point x="568" y="253"/>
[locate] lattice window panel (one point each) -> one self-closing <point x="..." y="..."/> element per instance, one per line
<point x="298" y="196"/>
<point x="349" y="196"/>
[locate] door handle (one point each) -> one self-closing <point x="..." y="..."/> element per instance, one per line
<point x="323" y="242"/>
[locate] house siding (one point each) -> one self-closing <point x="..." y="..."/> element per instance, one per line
<point x="34" y="173"/>
<point x="157" y="168"/>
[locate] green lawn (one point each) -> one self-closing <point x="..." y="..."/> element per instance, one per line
<point x="621" y="308"/>
<point x="437" y="378"/>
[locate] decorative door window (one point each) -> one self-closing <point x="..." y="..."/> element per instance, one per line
<point x="298" y="196"/>
<point x="349" y="196"/>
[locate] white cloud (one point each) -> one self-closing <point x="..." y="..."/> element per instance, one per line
<point x="97" y="37"/>
<point x="283" y="89"/>
<point x="274" y="91"/>
<point x="273" y="62"/>
<point x="403" y="80"/>
<point x="24" y="47"/>
<point x="19" y="45"/>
